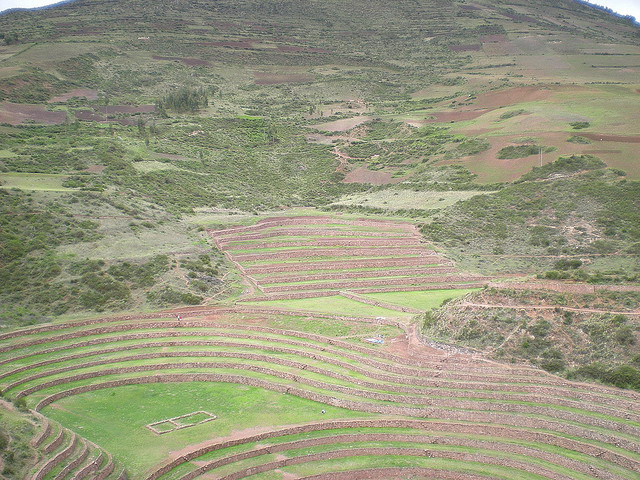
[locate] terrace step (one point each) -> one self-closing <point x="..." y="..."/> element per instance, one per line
<point x="435" y="432"/>
<point x="415" y="261"/>
<point x="81" y="454"/>
<point x="329" y="242"/>
<point x="377" y="303"/>
<point x="292" y="278"/>
<point x="335" y="252"/>
<point x="302" y="232"/>
<point x="49" y="463"/>
<point x="44" y="433"/>
<point x="424" y="282"/>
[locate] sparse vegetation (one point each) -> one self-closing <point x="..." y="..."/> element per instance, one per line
<point x="164" y="169"/>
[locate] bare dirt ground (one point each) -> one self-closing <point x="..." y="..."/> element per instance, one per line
<point x="600" y="137"/>
<point x="342" y="125"/>
<point x="87" y="93"/>
<point x="15" y="114"/>
<point x="374" y="177"/>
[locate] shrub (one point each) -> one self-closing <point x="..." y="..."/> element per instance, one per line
<point x="579" y="125"/>
<point x="578" y="139"/>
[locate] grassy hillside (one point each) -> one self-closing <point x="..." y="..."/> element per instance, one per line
<point x="222" y="223"/>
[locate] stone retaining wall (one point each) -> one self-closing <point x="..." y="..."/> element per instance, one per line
<point x="332" y="275"/>
<point x="333" y="252"/>
<point x="424" y="282"/>
<point x="393" y="473"/>
<point x="90" y="467"/>
<point x="57" y="459"/>
<point x="378" y="303"/>
<point x="394" y="451"/>
<point x="431" y="426"/>
<point x="304" y="232"/>
<point x="411" y="386"/>
<point x="556" y="459"/>
<point x="75" y="463"/>
<point x="329" y="242"/>
<point x="416" y="385"/>
<point x="348" y="264"/>
<point x="424" y="408"/>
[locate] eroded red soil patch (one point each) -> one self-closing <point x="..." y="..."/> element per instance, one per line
<point x="475" y="47"/>
<point x="612" y="138"/>
<point x="512" y="96"/>
<point x="342" y="125"/>
<point x="16" y="113"/>
<point x="364" y="175"/>
<point x="130" y="109"/>
<point x="87" y="93"/>
<point x="460" y="116"/>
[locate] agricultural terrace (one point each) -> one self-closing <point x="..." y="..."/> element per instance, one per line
<point x="234" y="393"/>
<point x="288" y="259"/>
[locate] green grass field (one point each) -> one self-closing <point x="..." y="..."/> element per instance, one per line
<point x="116" y="418"/>
<point x="34" y="181"/>
<point x="422" y="300"/>
<point x="333" y="305"/>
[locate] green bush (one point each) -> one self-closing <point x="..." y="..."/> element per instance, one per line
<point x="622" y="376"/>
<point x="579" y="140"/>
<point x="579" y="125"/>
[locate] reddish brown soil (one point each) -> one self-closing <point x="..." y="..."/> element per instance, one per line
<point x="290" y="278"/>
<point x="602" y="151"/>
<point x="512" y="96"/>
<point x="475" y="47"/>
<point x="342" y="125"/>
<point x="87" y="93"/>
<point x="346" y="264"/>
<point x="15" y="114"/>
<point x="264" y="78"/>
<point x="612" y="138"/>
<point x="89" y="116"/>
<point x="332" y="242"/>
<point x="460" y="116"/>
<point x="373" y="177"/>
<point x="130" y="109"/>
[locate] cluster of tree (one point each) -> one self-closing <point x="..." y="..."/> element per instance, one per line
<point x="9" y="38"/>
<point x="184" y="100"/>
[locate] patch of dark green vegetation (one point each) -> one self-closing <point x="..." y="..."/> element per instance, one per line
<point x="570" y="340"/>
<point x="522" y="151"/>
<point x="566" y="165"/>
<point x="185" y="100"/>
<point x="396" y="144"/>
<point x="33" y="86"/>
<point x="511" y="114"/>
<point x="622" y="376"/>
<point x="537" y="219"/>
<point x="579" y="125"/>
<point x="579" y="140"/>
